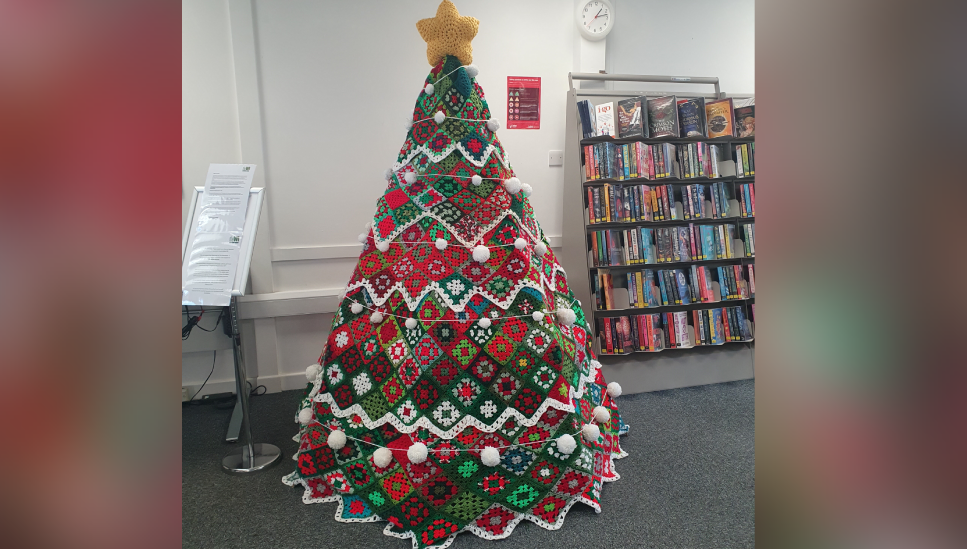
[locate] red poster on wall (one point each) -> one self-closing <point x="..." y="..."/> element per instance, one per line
<point x="523" y="102"/>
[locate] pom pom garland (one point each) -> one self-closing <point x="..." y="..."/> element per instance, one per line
<point x="537" y="316"/>
<point x="472" y="70"/>
<point x="601" y="414"/>
<point x="591" y="432"/>
<point x="410" y="178"/>
<point x="382" y="457"/>
<point x="428" y="89"/>
<point x="493" y="124"/>
<point x="476" y="179"/>
<point x="481" y="254"/>
<point x="417" y="452"/>
<point x="313" y="371"/>
<point x="388" y="174"/>
<point x="362" y="238"/>
<point x="356" y="308"/>
<point x="520" y="243"/>
<point x="512" y="185"/>
<point x="528" y="190"/>
<point x="383" y="246"/>
<point x="614" y="389"/>
<point x="484" y="323"/>
<point x="305" y="416"/>
<point x="566" y="444"/>
<point x="411" y="323"/>
<point x="376" y="317"/>
<point x="540" y="248"/>
<point x="441" y="244"/>
<point x="336" y="440"/>
<point x="439" y="117"/>
<point x="409" y="123"/>
<point x="566" y="316"/>
<point x="490" y="456"/>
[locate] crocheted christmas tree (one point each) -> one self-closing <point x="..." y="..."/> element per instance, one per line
<point x="457" y="390"/>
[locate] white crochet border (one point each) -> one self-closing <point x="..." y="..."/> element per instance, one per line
<point x="292" y="480"/>
<point x="436" y="157"/>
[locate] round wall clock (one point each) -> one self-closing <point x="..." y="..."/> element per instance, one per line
<point x="595" y="19"/>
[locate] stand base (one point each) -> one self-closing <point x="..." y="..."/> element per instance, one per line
<point x="265" y="455"/>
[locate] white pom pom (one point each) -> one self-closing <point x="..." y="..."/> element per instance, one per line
<point x="362" y="238"/>
<point x="566" y="316"/>
<point x="512" y="185"/>
<point x="537" y="316"/>
<point x="490" y="456"/>
<point x="305" y="416"/>
<point x="439" y="117"/>
<point x="520" y="243"/>
<point x="528" y="190"/>
<point x="382" y="457"/>
<point x="376" y="317"/>
<point x="566" y="444"/>
<point x="472" y="70"/>
<point x="383" y="246"/>
<point x="481" y="254"/>
<point x="595" y="365"/>
<point x="409" y="123"/>
<point x="417" y="452"/>
<point x="601" y="414"/>
<point x="476" y="179"/>
<point x="388" y="174"/>
<point x="441" y="244"/>
<point x="540" y="248"/>
<point x="411" y="323"/>
<point x="614" y="389"/>
<point x="484" y="323"/>
<point x="591" y="432"/>
<point x="313" y="371"/>
<point x="428" y="89"/>
<point x="410" y="178"/>
<point x="493" y="124"/>
<point x="356" y="308"/>
<point x="336" y="440"/>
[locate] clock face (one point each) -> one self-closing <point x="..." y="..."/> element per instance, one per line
<point x="595" y="17"/>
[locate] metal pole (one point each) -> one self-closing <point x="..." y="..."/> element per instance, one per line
<point x="251" y="456"/>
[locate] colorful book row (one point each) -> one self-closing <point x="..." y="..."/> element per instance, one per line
<point x="668" y="287"/>
<point x="668" y="116"/>
<point x="659" y="331"/>
<point x="644" y="245"/>
<point x="744" y="157"/>
<point x="635" y="203"/>
<point x="621" y="161"/>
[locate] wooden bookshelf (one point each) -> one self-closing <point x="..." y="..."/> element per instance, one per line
<point x="640" y="371"/>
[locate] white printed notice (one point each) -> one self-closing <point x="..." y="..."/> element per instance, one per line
<point x="208" y="271"/>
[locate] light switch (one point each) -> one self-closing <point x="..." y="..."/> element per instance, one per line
<point x="555" y="158"/>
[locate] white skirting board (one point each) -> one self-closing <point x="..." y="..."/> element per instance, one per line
<point x="671" y="369"/>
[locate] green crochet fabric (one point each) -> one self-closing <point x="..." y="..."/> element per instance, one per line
<point x="458" y="332"/>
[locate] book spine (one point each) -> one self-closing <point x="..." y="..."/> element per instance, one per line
<point x="694" y="246"/>
<point x="725" y="324"/>
<point x="607" y="336"/>
<point x="740" y="164"/>
<point x="747" y="159"/>
<point x="743" y="329"/>
<point x="752" y="198"/>
<point x="626" y="157"/>
<point x="751" y="281"/>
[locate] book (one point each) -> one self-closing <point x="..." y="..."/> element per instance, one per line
<point x="751" y="280"/>
<point x="662" y="117"/>
<point x="625" y="343"/>
<point x="745" y="121"/>
<point x="587" y="124"/>
<point x="604" y="119"/>
<point x="691" y="117"/>
<point x="718" y="115"/>
<point x="680" y="319"/>
<point x="630" y="122"/>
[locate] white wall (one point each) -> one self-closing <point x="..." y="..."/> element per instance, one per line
<point x="333" y="93"/>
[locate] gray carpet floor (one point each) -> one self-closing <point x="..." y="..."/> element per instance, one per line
<point x="688" y="482"/>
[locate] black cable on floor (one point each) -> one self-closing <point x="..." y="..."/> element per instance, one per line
<point x="206" y="379"/>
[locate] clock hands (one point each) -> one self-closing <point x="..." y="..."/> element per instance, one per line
<point x="595" y="17"/>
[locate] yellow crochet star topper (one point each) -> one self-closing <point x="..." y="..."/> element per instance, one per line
<point x="448" y="33"/>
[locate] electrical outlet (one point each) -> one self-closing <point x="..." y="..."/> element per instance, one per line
<point x="184" y="394"/>
<point x="555" y="158"/>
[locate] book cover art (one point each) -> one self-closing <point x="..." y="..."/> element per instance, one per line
<point x="681" y="328"/>
<point x="683" y="289"/>
<point x="719" y="118"/>
<point x="624" y="333"/>
<point x="662" y="117"/>
<point x="743" y="327"/>
<point x="630" y="121"/>
<point x="691" y="117"/>
<point x="604" y="119"/>
<point x="719" y="327"/>
<point x="745" y="121"/>
<point x="752" y="280"/>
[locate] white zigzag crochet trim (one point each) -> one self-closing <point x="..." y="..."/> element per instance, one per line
<point x="437" y="157"/>
<point x="292" y="480"/>
<point x="453" y="230"/>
